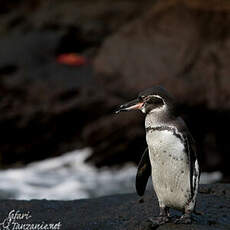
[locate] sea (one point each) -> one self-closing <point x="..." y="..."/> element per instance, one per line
<point x="69" y="177"/>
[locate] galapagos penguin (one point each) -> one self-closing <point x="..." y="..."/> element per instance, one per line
<point x="170" y="156"/>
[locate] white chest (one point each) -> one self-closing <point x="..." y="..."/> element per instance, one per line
<point x="163" y="143"/>
<point x="170" y="167"/>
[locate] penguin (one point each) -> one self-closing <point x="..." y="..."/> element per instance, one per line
<point x="170" y="157"/>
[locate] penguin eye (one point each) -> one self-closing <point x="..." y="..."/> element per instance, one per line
<point x="140" y="98"/>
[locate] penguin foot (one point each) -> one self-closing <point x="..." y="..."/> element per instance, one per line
<point x="159" y="220"/>
<point x="185" y="219"/>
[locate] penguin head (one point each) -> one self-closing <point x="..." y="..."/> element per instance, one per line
<point x="154" y="100"/>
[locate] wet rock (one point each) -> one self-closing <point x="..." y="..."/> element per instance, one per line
<point x="218" y="190"/>
<point x="120" y="212"/>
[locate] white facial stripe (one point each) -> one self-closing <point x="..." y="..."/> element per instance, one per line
<point x="161" y="108"/>
<point x="159" y="97"/>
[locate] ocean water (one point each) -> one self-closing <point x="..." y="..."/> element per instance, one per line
<point x="68" y="177"/>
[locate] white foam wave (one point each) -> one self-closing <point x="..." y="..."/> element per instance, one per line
<point x="65" y="177"/>
<point x="68" y="177"/>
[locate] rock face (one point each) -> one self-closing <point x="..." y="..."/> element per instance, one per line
<point x="44" y="105"/>
<point x="178" y="44"/>
<point x="183" y="46"/>
<point x="122" y="212"/>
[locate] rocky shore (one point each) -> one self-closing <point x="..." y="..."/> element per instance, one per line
<point x="118" y="212"/>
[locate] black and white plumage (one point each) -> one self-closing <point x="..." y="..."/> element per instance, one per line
<point x="170" y="156"/>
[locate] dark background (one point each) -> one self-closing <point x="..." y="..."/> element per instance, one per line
<point x="48" y="107"/>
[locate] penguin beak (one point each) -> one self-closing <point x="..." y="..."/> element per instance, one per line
<point x="132" y="105"/>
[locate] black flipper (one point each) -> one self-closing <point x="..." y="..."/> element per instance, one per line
<point x="192" y="157"/>
<point x="194" y="172"/>
<point x="143" y="173"/>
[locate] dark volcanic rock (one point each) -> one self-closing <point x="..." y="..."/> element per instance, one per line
<point x="112" y="138"/>
<point x="45" y="106"/>
<point x="85" y="23"/>
<point x="178" y="44"/>
<point x="38" y="108"/>
<point x="183" y="46"/>
<point x="122" y="212"/>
